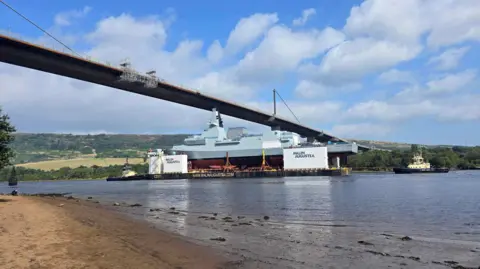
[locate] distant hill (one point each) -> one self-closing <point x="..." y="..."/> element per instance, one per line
<point x="41" y="147"/>
<point x="394" y="145"/>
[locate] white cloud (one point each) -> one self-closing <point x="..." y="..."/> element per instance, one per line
<point x="447" y="84"/>
<point x="248" y="30"/>
<point x="398" y="21"/>
<point x="275" y="54"/>
<point x="124" y="33"/>
<point x="451" y="83"/>
<point x="464" y="108"/>
<point x="311" y="89"/>
<point x="306" y="14"/>
<point x="382" y="110"/>
<point x="396" y="76"/>
<point x="446" y="22"/>
<point x="452" y="22"/>
<point x="461" y="108"/>
<point x="384" y="33"/>
<point x="449" y="59"/>
<point x="65" y="18"/>
<point x="215" y="52"/>
<point x="351" y="60"/>
<point x="361" y="130"/>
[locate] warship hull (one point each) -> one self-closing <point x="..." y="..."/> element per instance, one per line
<point x="401" y="170"/>
<point x="240" y="158"/>
<point x="242" y="162"/>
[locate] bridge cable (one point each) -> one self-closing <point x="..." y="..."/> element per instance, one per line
<point x="40" y="28"/>
<point x="285" y="105"/>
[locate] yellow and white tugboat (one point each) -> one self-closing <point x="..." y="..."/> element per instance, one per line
<point x="127" y="174"/>
<point x="127" y="170"/>
<point x="418" y="165"/>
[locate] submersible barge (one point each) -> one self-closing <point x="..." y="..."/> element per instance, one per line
<point x="236" y="174"/>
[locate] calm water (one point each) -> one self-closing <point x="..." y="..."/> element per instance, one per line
<point x="425" y="202"/>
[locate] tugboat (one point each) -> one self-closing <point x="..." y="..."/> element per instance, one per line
<point x="418" y="165"/>
<point x="127" y="174"/>
<point x="127" y="170"/>
<point x="12" y="180"/>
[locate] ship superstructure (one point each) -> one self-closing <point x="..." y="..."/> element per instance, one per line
<point x="244" y="150"/>
<point x="418" y="162"/>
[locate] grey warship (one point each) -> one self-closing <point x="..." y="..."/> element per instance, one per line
<point x="213" y="146"/>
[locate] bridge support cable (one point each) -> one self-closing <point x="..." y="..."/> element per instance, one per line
<point x="274" y="102"/>
<point x="40" y="28"/>
<point x="275" y="92"/>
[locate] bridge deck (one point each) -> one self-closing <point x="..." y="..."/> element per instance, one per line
<point x="20" y="53"/>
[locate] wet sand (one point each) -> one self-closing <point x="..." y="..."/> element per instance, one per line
<point x="101" y="235"/>
<point x="41" y="232"/>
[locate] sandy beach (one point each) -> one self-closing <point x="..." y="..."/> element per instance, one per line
<point x="40" y="232"/>
<point x="62" y="232"/>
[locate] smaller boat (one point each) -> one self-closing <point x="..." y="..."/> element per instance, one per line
<point x="127" y="174"/>
<point x="127" y="170"/>
<point x="12" y="180"/>
<point x="418" y="165"/>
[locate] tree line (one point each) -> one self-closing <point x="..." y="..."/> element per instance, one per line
<point x="67" y="173"/>
<point x="452" y="157"/>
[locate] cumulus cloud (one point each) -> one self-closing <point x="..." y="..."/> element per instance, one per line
<point x="313" y="89"/>
<point x="361" y="130"/>
<point x="396" y="76"/>
<point x="449" y="59"/>
<point x="275" y="55"/>
<point x="65" y="18"/>
<point x="444" y="85"/>
<point x="352" y="60"/>
<point x="306" y="14"/>
<point x="384" y="33"/>
<point x="249" y="29"/>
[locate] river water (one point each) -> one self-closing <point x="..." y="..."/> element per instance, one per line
<point x="312" y="219"/>
<point x="437" y="203"/>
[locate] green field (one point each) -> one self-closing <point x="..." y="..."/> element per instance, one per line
<point x="74" y="163"/>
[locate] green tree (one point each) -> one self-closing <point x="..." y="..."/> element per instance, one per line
<point x="414" y="148"/>
<point x="6" y="137"/>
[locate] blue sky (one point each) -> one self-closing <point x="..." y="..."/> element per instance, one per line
<point x="376" y="69"/>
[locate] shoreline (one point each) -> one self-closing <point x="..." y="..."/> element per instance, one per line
<point x="76" y="233"/>
<point x="259" y="241"/>
<point x="352" y="172"/>
<point x="140" y="236"/>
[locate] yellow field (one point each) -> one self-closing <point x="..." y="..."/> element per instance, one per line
<point x="73" y="163"/>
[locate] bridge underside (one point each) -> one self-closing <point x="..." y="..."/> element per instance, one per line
<point x="35" y="57"/>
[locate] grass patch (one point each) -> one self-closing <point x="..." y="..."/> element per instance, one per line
<point x="74" y="163"/>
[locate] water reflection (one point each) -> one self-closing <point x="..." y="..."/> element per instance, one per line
<point x="306" y="198"/>
<point x="167" y="194"/>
